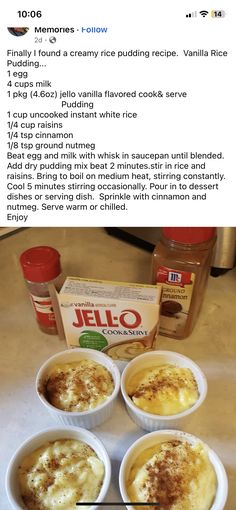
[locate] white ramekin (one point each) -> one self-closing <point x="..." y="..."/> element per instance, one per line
<point x="149" y="421"/>
<point x="39" y="439"/>
<point x="160" y="436"/>
<point x="93" y="417"/>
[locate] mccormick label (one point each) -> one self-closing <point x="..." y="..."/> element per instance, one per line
<point x="120" y="319"/>
<point x="177" y="289"/>
<point x="173" y="277"/>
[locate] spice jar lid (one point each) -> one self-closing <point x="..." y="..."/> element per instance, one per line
<point x="40" y="264"/>
<point x="189" y="235"/>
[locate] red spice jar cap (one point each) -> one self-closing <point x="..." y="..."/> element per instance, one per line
<point x="40" y="264"/>
<point x="189" y="235"/>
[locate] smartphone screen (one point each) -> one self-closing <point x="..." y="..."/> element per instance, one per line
<point x="118" y="117"/>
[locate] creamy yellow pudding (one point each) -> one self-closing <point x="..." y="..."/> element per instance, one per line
<point x="79" y="386"/>
<point x="59" y="474"/>
<point x="163" y="390"/>
<point x="175" y="474"/>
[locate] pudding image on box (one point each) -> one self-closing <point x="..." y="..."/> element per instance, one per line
<point x="120" y="319"/>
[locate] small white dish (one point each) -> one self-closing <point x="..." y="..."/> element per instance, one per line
<point x="160" y="436"/>
<point x="92" y="417"/>
<point x="149" y="421"/>
<point x="39" y="439"/>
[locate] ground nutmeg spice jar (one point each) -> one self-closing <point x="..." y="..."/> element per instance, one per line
<point x="41" y="266"/>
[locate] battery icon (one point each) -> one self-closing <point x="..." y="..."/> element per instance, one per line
<point x="217" y="14"/>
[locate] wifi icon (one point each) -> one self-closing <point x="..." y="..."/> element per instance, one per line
<point x="204" y="13"/>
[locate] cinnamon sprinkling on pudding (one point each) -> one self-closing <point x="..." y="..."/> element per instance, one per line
<point x="163" y="390"/>
<point x="175" y="474"/>
<point x="174" y="481"/>
<point x="79" y="386"/>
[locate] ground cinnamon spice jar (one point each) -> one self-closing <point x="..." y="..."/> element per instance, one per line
<point x="41" y="266"/>
<point x="181" y="262"/>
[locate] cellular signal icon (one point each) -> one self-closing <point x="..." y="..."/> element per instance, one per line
<point x="191" y="14"/>
<point x="203" y="13"/>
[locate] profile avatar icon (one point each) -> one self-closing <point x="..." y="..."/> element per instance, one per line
<point x="18" y="31"/>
